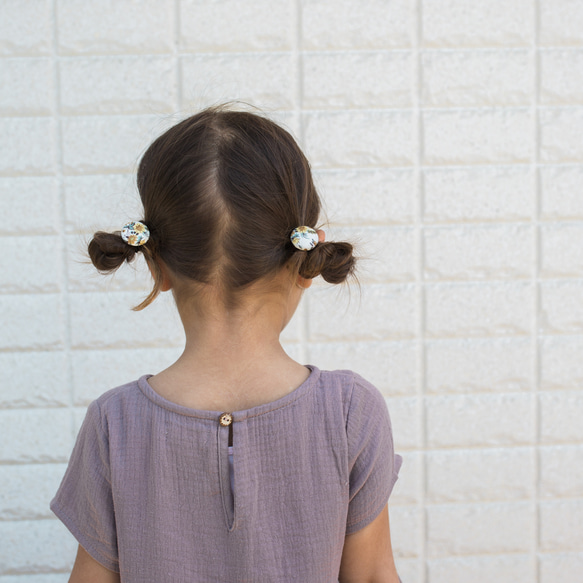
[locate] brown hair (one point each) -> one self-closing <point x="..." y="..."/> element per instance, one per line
<point x="222" y="190"/>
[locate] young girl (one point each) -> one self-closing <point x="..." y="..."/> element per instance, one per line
<point x="236" y="463"/>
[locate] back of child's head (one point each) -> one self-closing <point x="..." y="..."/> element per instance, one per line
<point x="222" y="191"/>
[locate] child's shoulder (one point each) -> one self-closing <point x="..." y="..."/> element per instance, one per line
<point x="347" y="377"/>
<point x="126" y="395"/>
<point x="354" y="386"/>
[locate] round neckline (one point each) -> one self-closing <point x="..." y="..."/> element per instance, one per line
<point x="240" y="415"/>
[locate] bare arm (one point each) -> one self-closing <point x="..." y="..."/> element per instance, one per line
<point x="87" y="570"/>
<point x="367" y="556"/>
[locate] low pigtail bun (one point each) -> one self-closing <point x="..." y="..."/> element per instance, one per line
<point x="108" y="251"/>
<point x="334" y="261"/>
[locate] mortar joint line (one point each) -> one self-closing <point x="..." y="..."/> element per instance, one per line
<point x="421" y="386"/>
<point x="536" y="291"/>
<point x="177" y="55"/>
<point x="58" y="160"/>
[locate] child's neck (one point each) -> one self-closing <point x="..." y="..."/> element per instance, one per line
<point x="233" y="361"/>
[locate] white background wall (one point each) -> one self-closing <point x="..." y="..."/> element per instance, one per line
<point x="446" y="136"/>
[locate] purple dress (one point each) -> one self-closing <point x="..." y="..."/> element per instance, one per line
<point x="148" y="491"/>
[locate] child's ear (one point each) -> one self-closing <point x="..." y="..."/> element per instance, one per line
<point x="304" y="282"/>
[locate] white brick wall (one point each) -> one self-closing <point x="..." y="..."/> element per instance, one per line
<point x="445" y="136"/>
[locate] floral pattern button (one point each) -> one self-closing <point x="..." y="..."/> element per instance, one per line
<point x="135" y="233"/>
<point x="304" y="238"/>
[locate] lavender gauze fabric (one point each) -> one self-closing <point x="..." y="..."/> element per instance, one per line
<point x="147" y="489"/>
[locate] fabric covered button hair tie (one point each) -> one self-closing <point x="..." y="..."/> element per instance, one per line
<point x="135" y="233"/>
<point x="304" y="238"/>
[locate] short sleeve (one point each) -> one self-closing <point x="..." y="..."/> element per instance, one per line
<point x="372" y="463"/>
<point x="84" y="501"/>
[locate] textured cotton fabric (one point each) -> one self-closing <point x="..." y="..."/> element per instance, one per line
<point x="147" y="489"/>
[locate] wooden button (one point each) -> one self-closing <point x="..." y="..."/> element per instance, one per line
<point x="226" y="419"/>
